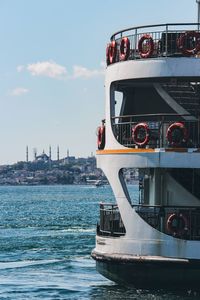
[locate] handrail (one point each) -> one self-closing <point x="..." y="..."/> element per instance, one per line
<point x="154" y="41"/>
<point x="158" y="125"/>
<point x="151" y="115"/>
<point x="107" y="203"/>
<point x="158" y="217"/>
<point x="166" y="206"/>
<point x="157" y="206"/>
<point x="152" y="26"/>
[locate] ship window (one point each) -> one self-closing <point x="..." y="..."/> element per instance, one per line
<point x="130" y="182"/>
<point x="118" y="103"/>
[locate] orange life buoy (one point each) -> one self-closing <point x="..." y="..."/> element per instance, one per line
<point x="177" y="225"/>
<point x="145" y="53"/>
<point x="101" y="137"/>
<point x="140" y="134"/>
<point x="177" y="134"/>
<point x="124" y="48"/>
<point x="111" y="52"/>
<point x="189" y="37"/>
<point x="107" y="55"/>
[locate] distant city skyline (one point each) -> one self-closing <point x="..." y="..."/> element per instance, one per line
<point x="53" y="64"/>
<point x="31" y="154"/>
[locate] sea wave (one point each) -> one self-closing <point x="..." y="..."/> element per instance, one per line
<point x="25" y="263"/>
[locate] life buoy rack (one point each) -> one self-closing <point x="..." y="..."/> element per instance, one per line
<point x="124" y="48"/>
<point x="111" y="53"/>
<point x="177" y="225"/>
<point x="140" y="134"/>
<point x="145" y="53"/>
<point x="180" y="138"/>
<point x="101" y="137"/>
<point x="184" y="38"/>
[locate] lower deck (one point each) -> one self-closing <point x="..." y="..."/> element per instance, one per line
<point x="178" y="221"/>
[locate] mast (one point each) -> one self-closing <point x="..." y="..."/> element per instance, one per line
<point x="198" y="13"/>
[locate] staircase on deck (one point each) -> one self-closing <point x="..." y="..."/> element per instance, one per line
<point x="189" y="179"/>
<point x="185" y="94"/>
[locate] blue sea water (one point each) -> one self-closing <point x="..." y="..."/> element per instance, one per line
<point x="46" y="237"/>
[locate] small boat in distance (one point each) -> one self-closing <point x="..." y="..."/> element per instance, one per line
<point x="101" y="182"/>
<point x="152" y="125"/>
<point x="97" y="182"/>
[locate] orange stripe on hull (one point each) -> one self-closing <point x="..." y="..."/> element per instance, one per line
<point x="122" y="151"/>
<point x="142" y="150"/>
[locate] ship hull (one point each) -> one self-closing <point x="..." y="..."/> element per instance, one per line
<point x="150" y="273"/>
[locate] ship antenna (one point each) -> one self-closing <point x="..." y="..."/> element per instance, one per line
<point x="198" y="14"/>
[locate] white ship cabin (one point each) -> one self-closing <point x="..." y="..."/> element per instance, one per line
<point x="153" y="124"/>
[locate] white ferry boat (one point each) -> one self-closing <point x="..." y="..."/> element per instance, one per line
<point x="152" y="124"/>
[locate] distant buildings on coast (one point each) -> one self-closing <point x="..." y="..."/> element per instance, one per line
<point x="44" y="170"/>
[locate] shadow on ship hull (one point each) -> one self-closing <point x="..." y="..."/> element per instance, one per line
<point x="154" y="275"/>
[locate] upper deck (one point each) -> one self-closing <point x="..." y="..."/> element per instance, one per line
<point x="154" y="41"/>
<point x="153" y="88"/>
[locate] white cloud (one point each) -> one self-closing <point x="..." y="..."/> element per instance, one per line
<point x="82" y="72"/>
<point x="47" y="68"/>
<point x="19" y="91"/>
<point x="53" y="70"/>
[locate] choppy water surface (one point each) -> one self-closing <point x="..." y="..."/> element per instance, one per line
<point x="46" y="237"/>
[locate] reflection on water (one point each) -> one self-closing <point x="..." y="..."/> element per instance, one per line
<point x="118" y="292"/>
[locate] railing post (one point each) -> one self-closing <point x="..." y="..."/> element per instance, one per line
<point x="190" y="225"/>
<point x="198" y="130"/>
<point x="162" y="133"/>
<point x="101" y="217"/>
<point x="135" y="42"/>
<point x="166" y="41"/>
<point x="162" y="219"/>
<point x="130" y="134"/>
<point x="112" y="223"/>
<point x="198" y="13"/>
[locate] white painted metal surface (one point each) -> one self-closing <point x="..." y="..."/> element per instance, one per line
<point x="142" y="240"/>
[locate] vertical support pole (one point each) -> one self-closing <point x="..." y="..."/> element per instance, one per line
<point x="135" y="43"/>
<point x="166" y="40"/>
<point x="198" y="14"/>
<point x="198" y="130"/>
<point x="162" y="142"/>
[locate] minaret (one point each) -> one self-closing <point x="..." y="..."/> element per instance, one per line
<point x="26" y="153"/>
<point x="67" y="152"/>
<point x="58" y="158"/>
<point x="35" y="153"/>
<point x="49" y="152"/>
<point x="50" y="157"/>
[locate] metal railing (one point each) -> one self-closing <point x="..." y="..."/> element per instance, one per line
<point x="110" y="221"/>
<point x="123" y="127"/>
<point x="179" y="221"/>
<point x="165" y="39"/>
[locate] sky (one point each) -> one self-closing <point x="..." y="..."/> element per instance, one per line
<point x="52" y="67"/>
